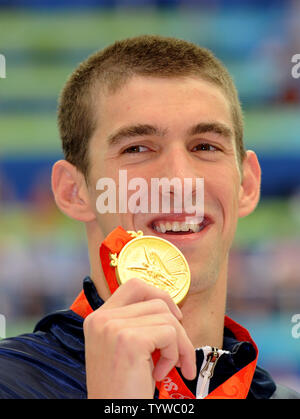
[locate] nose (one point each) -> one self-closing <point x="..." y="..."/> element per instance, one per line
<point x="188" y="189"/>
<point x="177" y="163"/>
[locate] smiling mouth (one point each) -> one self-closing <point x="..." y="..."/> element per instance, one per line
<point x="179" y="227"/>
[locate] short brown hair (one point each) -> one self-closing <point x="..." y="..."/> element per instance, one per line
<point x="110" y="68"/>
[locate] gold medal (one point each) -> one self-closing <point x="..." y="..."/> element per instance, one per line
<point x="156" y="261"/>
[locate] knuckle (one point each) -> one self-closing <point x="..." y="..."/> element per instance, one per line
<point x="171" y="332"/>
<point x="88" y="323"/>
<point x="95" y="321"/>
<point x="123" y="335"/>
<point x="110" y="328"/>
<point x="127" y="338"/>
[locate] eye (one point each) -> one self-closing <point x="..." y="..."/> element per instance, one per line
<point x="135" y="149"/>
<point x="205" y="147"/>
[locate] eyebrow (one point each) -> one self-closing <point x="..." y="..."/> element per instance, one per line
<point x="151" y="130"/>
<point x="214" y="127"/>
<point x="135" y="131"/>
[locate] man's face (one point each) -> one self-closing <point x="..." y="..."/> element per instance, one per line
<point x="178" y="127"/>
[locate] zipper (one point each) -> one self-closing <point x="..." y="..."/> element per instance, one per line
<point x="211" y="357"/>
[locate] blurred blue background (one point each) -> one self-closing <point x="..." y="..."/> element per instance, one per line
<point x="43" y="254"/>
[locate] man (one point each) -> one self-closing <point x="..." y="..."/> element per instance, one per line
<point x="157" y="108"/>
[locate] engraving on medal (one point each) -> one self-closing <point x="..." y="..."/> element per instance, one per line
<point x="157" y="262"/>
<point x="156" y="273"/>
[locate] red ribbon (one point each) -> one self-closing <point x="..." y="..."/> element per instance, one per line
<point x="113" y="243"/>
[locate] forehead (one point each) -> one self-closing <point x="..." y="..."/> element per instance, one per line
<point x="160" y="101"/>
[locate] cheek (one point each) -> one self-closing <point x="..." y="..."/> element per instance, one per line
<point x="230" y="203"/>
<point x="224" y="192"/>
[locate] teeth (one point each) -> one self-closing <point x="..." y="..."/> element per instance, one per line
<point x="168" y="226"/>
<point x="177" y="226"/>
<point x="195" y="228"/>
<point x="162" y="228"/>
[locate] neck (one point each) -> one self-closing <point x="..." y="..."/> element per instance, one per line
<point x="203" y="315"/>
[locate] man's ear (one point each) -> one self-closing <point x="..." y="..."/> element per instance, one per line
<point x="70" y="192"/>
<point x="250" y="186"/>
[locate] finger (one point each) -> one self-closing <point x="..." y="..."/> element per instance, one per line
<point x="135" y="290"/>
<point x="144" y="308"/>
<point x="185" y="349"/>
<point x="188" y="366"/>
<point x="169" y="356"/>
<point x="162" y="338"/>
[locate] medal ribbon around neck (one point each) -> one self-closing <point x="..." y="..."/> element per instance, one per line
<point x="173" y="387"/>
